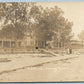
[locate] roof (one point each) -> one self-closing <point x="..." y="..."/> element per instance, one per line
<point x="5" y="39"/>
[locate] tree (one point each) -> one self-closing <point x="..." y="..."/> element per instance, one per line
<point x="47" y="24"/>
<point x="12" y="32"/>
<point x="51" y="25"/>
<point x="15" y="19"/>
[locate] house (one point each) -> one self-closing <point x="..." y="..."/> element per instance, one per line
<point x="76" y="44"/>
<point x="27" y="41"/>
<point x="9" y="43"/>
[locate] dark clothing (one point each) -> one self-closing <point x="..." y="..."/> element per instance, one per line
<point x="70" y="51"/>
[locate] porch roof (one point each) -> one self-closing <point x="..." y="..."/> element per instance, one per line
<point x="10" y="40"/>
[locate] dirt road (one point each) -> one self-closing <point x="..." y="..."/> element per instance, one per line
<point x="40" y="68"/>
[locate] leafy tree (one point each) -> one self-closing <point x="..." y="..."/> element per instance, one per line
<point x="15" y="19"/>
<point x="51" y="25"/>
<point x="12" y="32"/>
<point x="47" y="24"/>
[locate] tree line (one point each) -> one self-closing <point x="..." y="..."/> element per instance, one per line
<point x="48" y="24"/>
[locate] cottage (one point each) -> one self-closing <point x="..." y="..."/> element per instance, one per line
<point x="8" y="43"/>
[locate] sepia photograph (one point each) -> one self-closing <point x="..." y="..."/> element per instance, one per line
<point x="41" y="41"/>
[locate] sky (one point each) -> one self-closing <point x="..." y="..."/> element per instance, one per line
<point x="73" y="11"/>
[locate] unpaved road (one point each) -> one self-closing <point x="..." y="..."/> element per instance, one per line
<point x="43" y="69"/>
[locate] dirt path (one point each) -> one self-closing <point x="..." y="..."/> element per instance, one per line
<point x="36" y="65"/>
<point x="28" y="68"/>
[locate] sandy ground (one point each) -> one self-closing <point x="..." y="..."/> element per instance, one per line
<point x="42" y="68"/>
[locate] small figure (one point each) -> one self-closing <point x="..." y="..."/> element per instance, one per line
<point x="69" y="51"/>
<point x="36" y="47"/>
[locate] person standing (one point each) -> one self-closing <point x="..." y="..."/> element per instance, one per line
<point x="69" y="51"/>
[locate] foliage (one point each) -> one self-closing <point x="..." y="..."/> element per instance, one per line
<point x="13" y="32"/>
<point x="47" y="24"/>
<point x="51" y="25"/>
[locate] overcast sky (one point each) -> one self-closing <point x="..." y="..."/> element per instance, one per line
<point x="74" y="11"/>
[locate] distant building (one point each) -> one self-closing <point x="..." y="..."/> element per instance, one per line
<point x="8" y="43"/>
<point x="76" y="44"/>
<point x="28" y="40"/>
